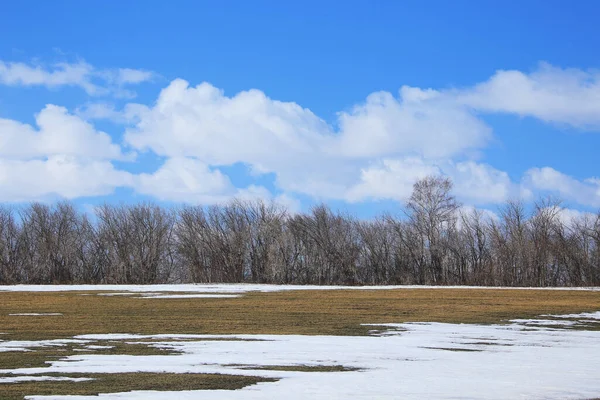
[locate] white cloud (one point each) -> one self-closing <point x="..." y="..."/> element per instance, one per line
<point x="481" y="183"/>
<point x="101" y="111"/>
<point x="291" y="204"/>
<point x="390" y="179"/>
<point x="188" y="180"/>
<point x="376" y="149"/>
<point x="254" y="192"/>
<point x="551" y="94"/>
<point x="306" y="155"/>
<point x="62" y="176"/>
<point x="95" y="82"/>
<point x="185" y="180"/>
<point x="474" y="182"/>
<point x="550" y="180"/>
<point x="58" y="133"/>
<point x="423" y="122"/>
<point x="63" y="157"/>
<point x="569" y="217"/>
<point x="249" y="127"/>
<point x="61" y="74"/>
<point x="133" y="76"/>
<point x="468" y="214"/>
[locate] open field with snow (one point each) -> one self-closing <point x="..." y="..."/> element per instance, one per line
<point x="264" y="341"/>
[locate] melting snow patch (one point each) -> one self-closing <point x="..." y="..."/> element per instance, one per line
<point x="159" y="295"/>
<point x="589" y="316"/>
<point x="18" y="379"/>
<point x="117" y="294"/>
<point x="189" y="296"/>
<point x="34" y="314"/>
<point x="27" y="345"/>
<point x="544" y="322"/>
<point x="412" y="361"/>
<point x="237" y="288"/>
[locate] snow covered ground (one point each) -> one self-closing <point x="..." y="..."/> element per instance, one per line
<point x="236" y="288"/>
<point x="530" y="359"/>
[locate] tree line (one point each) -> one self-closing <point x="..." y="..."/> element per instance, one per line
<point x="434" y="241"/>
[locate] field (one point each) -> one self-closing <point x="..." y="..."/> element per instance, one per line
<point x="252" y="341"/>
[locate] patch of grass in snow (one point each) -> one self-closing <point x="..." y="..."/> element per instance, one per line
<point x="42" y="356"/>
<point x="29" y="359"/>
<point x="114" y="383"/>
<point x="196" y="339"/>
<point x="450" y="348"/>
<point x="297" y="368"/>
<point x="489" y="344"/>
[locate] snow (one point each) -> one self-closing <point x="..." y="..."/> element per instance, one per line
<point x="545" y="322"/>
<point x="28" y="345"/>
<point x="235" y="288"/>
<point x="159" y="295"/>
<point x="590" y="316"/>
<point x="33" y="314"/>
<point x="189" y="296"/>
<point x="19" y="379"/>
<point x="411" y="361"/>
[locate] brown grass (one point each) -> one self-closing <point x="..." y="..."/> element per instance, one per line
<point x="114" y="383"/>
<point x="324" y="312"/>
<point x="40" y="357"/>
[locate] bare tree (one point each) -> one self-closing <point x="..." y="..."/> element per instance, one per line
<point x="9" y="247"/>
<point x="431" y="210"/>
<point x="265" y="224"/>
<point x="378" y="253"/>
<point x="255" y="241"/>
<point x="137" y="242"/>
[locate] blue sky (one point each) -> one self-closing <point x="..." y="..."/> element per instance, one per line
<point x="302" y="102"/>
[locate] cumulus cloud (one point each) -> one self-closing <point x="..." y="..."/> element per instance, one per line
<point x="58" y="133"/>
<point x="421" y="121"/>
<point x="551" y="94"/>
<point x="63" y="156"/>
<point x="481" y="183"/>
<point x="185" y="179"/>
<point x="570" y="217"/>
<point x="306" y="154"/>
<point x="475" y="183"/>
<point x="586" y="192"/>
<point x="189" y="180"/>
<point x="94" y="81"/>
<point x="375" y="149"/>
<point x="58" y="176"/>
<point x="390" y="179"/>
<point x="468" y="215"/>
<point x="248" y="127"/>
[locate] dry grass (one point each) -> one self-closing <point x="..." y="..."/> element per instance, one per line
<point x="40" y="357"/>
<point x="298" y="312"/>
<point x="114" y="383"/>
